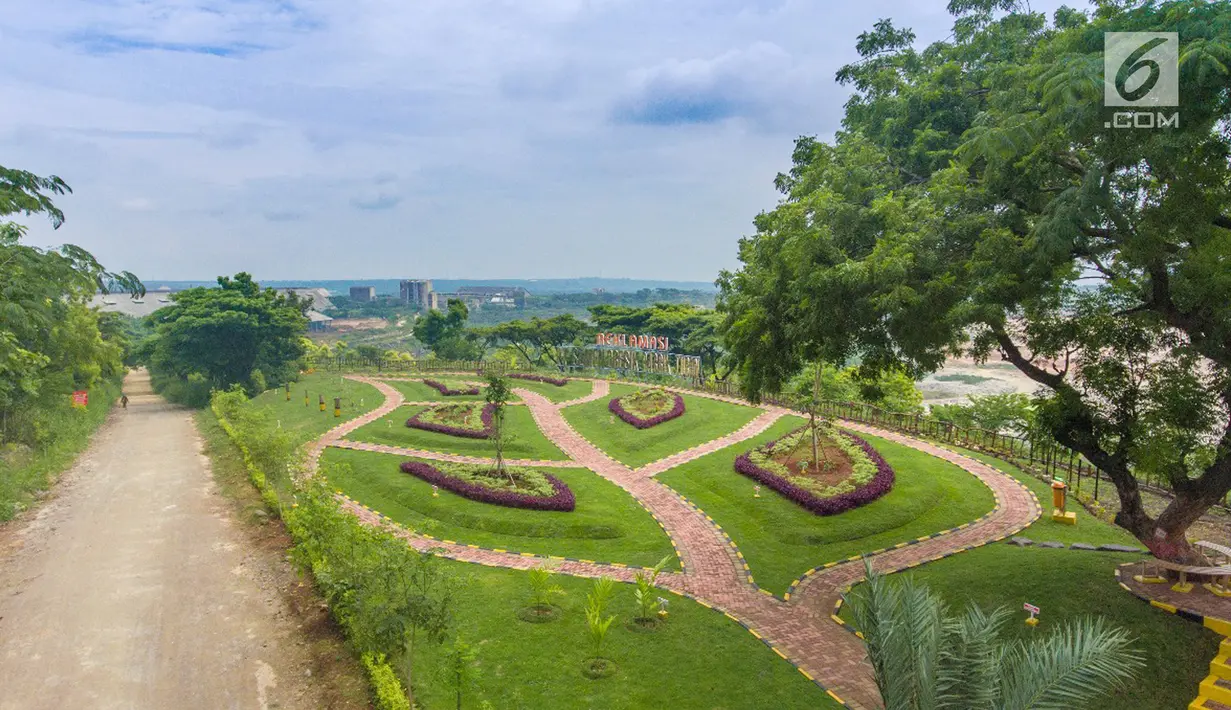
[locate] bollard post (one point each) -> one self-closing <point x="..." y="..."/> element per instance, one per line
<point x="337" y="406"/>
<point x="322" y="402"/>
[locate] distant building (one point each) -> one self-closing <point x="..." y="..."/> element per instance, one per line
<point x="481" y="296"/>
<point x="417" y="292"/>
<point x="134" y="307"/>
<point x="319" y="296"/>
<point x="318" y="322"/>
<point x="363" y="293"/>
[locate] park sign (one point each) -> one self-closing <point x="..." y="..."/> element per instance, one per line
<point x="81" y="398"/>
<point x="628" y="340"/>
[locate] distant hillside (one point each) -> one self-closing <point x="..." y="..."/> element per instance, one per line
<point x="537" y="286"/>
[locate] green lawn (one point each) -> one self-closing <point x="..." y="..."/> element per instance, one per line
<point x="1088" y="529"/>
<point x="526" y="441"/>
<point x="704" y="419"/>
<point x="575" y="389"/>
<point x="1066" y="584"/>
<point x="700" y="660"/>
<point x="607" y="525"/>
<point x="781" y="540"/>
<point x="309" y="422"/>
<point x="419" y="392"/>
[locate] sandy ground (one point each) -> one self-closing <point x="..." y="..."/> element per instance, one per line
<point x="132" y="586"/>
<point x="961" y="377"/>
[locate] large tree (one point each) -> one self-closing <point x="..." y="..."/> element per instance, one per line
<point x="237" y="333"/>
<point x="980" y="199"/>
<point x="445" y="333"/>
<point x="538" y="339"/>
<point x="692" y="330"/>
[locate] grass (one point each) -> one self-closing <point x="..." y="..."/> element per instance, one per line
<point x="699" y="660"/>
<point x="26" y="473"/>
<point x="419" y="392"/>
<point x="526" y="441"/>
<point x="1067" y="584"/>
<point x="309" y="422"/>
<point x="575" y="389"/>
<point x="780" y="540"/>
<point x="607" y="525"/>
<point x="704" y="419"/>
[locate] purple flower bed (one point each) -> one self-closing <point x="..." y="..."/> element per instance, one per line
<point x="444" y="389"/>
<point x="880" y="484"/>
<point x="557" y="381"/>
<point x="618" y="409"/>
<point x="485" y="433"/>
<point x="562" y="500"/>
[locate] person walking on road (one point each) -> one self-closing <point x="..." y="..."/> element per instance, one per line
<point x="124" y="400"/>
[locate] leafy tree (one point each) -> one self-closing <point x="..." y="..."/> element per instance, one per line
<point x="445" y="333"/>
<point x="537" y="339"/>
<point x="460" y="668"/>
<point x="498" y="395"/>
<point x="977" y="201"/>
<point x="227" y="335"/>
<point x="692" y="330"/>
<point x="925" y="659"/>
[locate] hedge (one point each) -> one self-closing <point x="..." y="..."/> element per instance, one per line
<point x="618" y="409"/>
<point x="416" y="422"/>
<point x="562" y="500"/>
<point x="557" y="381"/>
<point x="444" y="389"/>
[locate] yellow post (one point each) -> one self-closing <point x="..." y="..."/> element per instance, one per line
<point x="288" y="391"/>
<point x="322" y="402"/>
<point x="306" y="401"/>
<point x="337" y="406"/>
<point x="1059" y="495"/>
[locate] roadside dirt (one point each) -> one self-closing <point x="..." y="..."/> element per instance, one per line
<point x="134" y="586"/>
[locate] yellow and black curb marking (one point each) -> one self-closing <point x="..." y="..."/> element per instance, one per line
<point x="730" y="542"/>
<point x="1213" y="623"/>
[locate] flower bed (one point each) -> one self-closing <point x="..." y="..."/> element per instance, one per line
<point x="472" y="420"/>
<point x="444" y="389"/>
<point x="646" y="408"/>
<point x="543" y="491"/>
<point x="557" y="381"/>
<point x="757" y="465"/>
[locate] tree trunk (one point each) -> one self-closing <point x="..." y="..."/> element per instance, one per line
<point x="816" y="401"/>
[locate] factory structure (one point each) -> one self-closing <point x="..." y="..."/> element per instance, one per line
<point x="419" y="292"/>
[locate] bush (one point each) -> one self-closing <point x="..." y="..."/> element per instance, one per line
<point x="557" y="381"/>
<point x="677" y="410"/>
<point x="561" y="500"/>
<point x="422" y="421"/>
<point x="880" y="484"/>
<point x="193" y="391"/>
<point x="385" y="685"/>
<point x="444" y="389"/>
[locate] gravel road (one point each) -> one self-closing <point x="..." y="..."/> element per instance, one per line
<point x="131" y="587"/>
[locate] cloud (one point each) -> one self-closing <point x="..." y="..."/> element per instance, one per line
<point x="738" y="83"/>
<point x="137" y="204"/>
<point x="375" y="202"/>
<point x="284" y="215"/>
<point x="105" y="43"/>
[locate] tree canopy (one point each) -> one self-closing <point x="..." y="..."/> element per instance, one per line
<point x="538" y="339"/>
<point x="693" y="330"/>
<point x="445" y="333"/>
<point x="979" y="198"/>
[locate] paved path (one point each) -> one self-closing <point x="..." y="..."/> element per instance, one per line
<point x="800" y="628"/>
<point x="131" y="587"/>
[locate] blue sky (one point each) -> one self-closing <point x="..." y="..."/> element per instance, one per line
<point x="438" y="138"/>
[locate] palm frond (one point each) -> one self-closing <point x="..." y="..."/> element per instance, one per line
<point x="1066" y="669"/>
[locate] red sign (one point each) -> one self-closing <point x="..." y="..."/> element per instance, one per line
<point x="642" y="342"/>
<point x="1031" y="608"/>
<point x="81" y="398"/>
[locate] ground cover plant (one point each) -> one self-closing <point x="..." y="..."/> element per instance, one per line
<point x="708" y="419"/>
<point x="554" y="381"/>
<point x="417" y="391"/>
<point x="514" y="487"/>
<point x="648" y="407"/>
<point x="575" y="389"/>
<point x="536" y="665"/>
<point x="472" y="420"/>
<point x="448" y="391"/>
<point x="525" y="440"/>
<point x="606" y="525"/>
<point x="1068" y="585"/>
<point x="306" y="421"/>
<point x="848" y="473"/>
<point x="781" y="540"/>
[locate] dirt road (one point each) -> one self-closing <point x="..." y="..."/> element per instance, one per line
<point x="132" y="588"/>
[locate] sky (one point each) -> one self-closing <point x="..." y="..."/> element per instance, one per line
<point x="317" y="139"/>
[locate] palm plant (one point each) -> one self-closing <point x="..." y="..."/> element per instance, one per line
<point x="645" y="594"/>
<point x="542" y="589"/>
<point x="925" y="659"/>
<point x="596" y="607"/>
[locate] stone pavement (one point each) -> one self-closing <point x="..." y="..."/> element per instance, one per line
<point x="799" y="629"/>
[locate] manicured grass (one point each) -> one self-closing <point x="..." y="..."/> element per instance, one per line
<point x="1067" y="584"/>
<point x="525" y="439"/>
<point x="419" y="392"/>
<point x="704" y="419"/>
<point x="699" y="660"/>
<point x="1088" y="529"/>
<point x="309" y="422"/>
<point x="575" y="389"/>
<point x="607" y="525"/>
<point x="781" y="540"/>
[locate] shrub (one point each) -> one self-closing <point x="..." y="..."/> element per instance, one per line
<point x="618" y="409"/>
<point x="385" y="685"/>
<point x="863" y="469"/>
<point x="561" y="499"/>
<point x="557" y="381"/>
<point x="422" y="420"/>
<point x="880" y="484"/>
<point x="444" y="389"/>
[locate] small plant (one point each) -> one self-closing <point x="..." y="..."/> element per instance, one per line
<point x="645" y="596"/>
<point x="542" y="590"/>
<point x="459" y="670"/>
<point x="598" y="624"/>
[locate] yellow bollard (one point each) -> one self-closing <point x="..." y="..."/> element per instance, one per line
<point x="337" y="406"/>
<point x="322" y="402"/>
<point x="306" y="401"/>
<point x="1059" y="496"/>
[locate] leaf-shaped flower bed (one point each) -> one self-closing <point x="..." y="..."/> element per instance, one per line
<point x="472" y="420"/>
<point x="870" y="478"/>
<point x="446" y="391"/>
<point x="646" y="408"/>
<point x="557" y="381"/>
<point x="528" y="488"/>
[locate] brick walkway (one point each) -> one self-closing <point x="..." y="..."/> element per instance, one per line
<point x="799" y="629"/>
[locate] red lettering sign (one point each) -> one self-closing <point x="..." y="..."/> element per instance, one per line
<point x="81" y="398"/>
<point x="633" y="340"/>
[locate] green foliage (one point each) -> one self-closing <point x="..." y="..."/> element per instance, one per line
<point x="646" y="593"/>
<point x="445" y="333"/>
<point x="1010" y="413"/>
<point x="269" y="448"/>
<point x="597" y="624"/>
<point x="542" y="588"/>
<point x="925" y="659"/>
<point x="497" y="395"/>
<point x="536" y="340"/>
<point x="693" y="330"/>
<point x="460" y="670"/>
<point x="892" y="390"/>
<point x="976" y="200"/>
<point x="386" y="688"/>
<point x="234" y="334"/>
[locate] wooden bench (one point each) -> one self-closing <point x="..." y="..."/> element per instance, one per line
<point x="1221" y="555"/>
